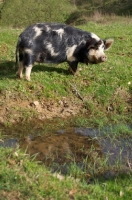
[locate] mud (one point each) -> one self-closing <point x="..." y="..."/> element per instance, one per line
<point x="15" y="107"/>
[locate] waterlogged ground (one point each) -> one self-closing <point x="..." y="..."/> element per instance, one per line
<point x="95" y="152"/>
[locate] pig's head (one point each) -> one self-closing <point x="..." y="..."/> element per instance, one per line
<point x="96" y="50"/>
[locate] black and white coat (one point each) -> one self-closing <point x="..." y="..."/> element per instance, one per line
<point x="57" y="43"/>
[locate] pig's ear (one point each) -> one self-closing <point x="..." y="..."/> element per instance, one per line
<point x="108" y="43"/>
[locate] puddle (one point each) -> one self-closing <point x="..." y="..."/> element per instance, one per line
<point x="86" y="147"/>
<point x="9" y="143"/>
<point x="118" y="150"/>
<point x="62" y="147"/>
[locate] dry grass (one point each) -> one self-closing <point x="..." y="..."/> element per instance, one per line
<point x="99" y="17"/>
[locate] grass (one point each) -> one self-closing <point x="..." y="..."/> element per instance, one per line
<point x="105" y="88"/>
<point x="106" y="91"/>
<point x="21" y="177"/>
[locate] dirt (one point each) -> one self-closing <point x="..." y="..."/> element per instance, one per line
<point x="15" y="108"/>
<point x="13" y="195"/>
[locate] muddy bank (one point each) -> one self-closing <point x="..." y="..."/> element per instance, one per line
<point x="15" y="108"/>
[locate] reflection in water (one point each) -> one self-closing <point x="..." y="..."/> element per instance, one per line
<point x="10" y="143"/>
<point x="86" y="147"/>
<point x="62" y="148"/>
<point x="117" y="150"/>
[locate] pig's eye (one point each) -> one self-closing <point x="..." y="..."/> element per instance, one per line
<point x="94" y="48"/>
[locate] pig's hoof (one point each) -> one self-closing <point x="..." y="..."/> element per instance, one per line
<point x="71" y="71"/>
<point x="19" y="75"/>
<point x="27" y="78"/>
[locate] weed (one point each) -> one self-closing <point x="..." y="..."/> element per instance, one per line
<point x="80" y="122"/>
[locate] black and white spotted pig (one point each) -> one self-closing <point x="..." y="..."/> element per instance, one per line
<point x="57" y="43"/>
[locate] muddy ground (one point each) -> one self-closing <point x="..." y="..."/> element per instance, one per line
<point x="14" y="107"/>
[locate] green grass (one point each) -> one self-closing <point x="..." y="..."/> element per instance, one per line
<point x="22" y="177"/>
<point x="105" y="88"/>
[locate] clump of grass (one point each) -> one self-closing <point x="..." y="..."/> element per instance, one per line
<point x="80" y="122"/>
<point x="120" y="129"/>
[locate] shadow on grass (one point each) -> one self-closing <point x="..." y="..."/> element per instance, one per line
<point x="124" y="176"/>
<point x="50" y="68"/>
<point x="8" y="69"/>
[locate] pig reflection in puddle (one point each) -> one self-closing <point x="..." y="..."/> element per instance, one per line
<point x="62" y="148"/>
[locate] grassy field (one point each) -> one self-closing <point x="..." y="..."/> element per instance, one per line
<point x="103" y="92"/>
<point x="100" y="95"/>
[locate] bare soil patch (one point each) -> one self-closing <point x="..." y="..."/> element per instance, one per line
<point x="14" y="195"/>
<point x="15" y="108"/>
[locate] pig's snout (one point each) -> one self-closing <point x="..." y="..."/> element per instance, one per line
<point x="103" y="58"/>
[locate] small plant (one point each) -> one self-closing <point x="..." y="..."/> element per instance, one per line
<point x="80" y="122"/>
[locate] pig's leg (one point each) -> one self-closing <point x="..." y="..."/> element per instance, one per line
<point x="73" y="67"/>
<point x="28" y="65"/>
<point x="21" y="65"/>
<point x="20" y="70"/>
<point x="28" y="72"/>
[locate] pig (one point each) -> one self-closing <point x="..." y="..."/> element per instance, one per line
<point x="57" y="43"/>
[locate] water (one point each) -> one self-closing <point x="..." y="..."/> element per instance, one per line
<point x="86" y="147"/>
<point x="9" y="143"/>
